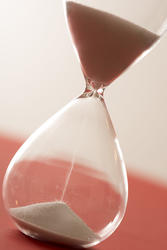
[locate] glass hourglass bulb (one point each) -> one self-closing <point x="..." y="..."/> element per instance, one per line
<point x="67" y="184"/>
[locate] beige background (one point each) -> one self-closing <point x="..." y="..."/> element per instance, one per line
<point x="39" y="73"/>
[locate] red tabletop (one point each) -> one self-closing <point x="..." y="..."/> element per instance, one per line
<point x="143" y="228"/>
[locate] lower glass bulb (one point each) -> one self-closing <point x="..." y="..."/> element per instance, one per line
<point x="67" y="184"/>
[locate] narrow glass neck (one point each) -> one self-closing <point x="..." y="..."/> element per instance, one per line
<point x="93" y="89"/>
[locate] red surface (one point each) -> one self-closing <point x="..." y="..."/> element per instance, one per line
<point x="143" y="228"/>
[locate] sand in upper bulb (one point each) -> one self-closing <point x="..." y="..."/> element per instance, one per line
<point x="54" y="222"/>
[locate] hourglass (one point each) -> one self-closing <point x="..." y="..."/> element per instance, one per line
<point x="67" y="183"/>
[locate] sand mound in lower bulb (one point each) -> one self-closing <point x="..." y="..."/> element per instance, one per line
<point x="54" y="222"/>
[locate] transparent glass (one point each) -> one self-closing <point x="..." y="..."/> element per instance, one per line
<point x="67" y="183"/>
<point x="108" y="36"/>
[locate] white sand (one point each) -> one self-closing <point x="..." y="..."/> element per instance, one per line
<point x="54" y="222"/>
